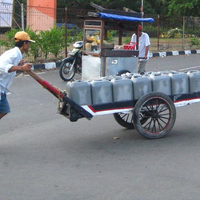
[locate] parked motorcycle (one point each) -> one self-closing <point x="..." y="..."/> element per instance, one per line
<point x="73" y="63"/>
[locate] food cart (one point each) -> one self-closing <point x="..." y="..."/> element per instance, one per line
<point x="102" y="58"/>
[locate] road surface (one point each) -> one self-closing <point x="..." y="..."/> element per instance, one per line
<point x="44" y="156"/>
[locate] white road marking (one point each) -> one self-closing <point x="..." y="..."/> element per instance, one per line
<point x="189" y="68"/>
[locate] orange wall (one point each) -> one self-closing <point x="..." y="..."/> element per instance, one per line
<point x="42" y="3"/>
<point x="41" y="14"/>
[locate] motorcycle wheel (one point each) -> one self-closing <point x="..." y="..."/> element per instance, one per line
<point x="65" y="73"/>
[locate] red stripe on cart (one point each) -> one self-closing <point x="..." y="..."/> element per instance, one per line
<point x="185" y="102"/>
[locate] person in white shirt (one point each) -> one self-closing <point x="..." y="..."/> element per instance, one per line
<point x="10" y="62"/>
<point x="144" y="43"/>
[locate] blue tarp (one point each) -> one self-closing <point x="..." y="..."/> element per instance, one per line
<point x="124" y="18"/>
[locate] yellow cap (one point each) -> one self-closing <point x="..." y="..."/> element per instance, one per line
<point x="22" y="36"/>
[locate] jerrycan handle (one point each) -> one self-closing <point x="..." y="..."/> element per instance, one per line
<point x="156" y="74"/>
<point x="169" y="72"/>
<point x="136" y="75"/>
<point x="192" y="71"/>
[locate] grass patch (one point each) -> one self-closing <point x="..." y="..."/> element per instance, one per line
<point x="169" y="44"/>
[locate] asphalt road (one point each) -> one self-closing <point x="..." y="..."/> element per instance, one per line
<point x="44" y="156"/>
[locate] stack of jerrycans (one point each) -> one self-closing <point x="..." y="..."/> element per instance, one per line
<point x="90" y="92"/>
<point x="128" y="88"/>
<point x="104" y="91"/>
<point x="170" y="82"/>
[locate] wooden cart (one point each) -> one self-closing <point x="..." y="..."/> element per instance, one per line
<point x="153" y="115"/>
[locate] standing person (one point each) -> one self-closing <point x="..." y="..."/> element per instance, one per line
<point x="10" y="62"/>
<point x="144" y="43"/>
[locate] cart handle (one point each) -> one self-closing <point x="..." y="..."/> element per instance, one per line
<point x="54" y="90"/>
<point x="60" y="95"/>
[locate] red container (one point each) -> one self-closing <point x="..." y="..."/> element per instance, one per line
<point x="130" y="46"/>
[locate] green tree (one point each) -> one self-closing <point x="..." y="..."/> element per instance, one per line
<point x="160" y="6"/>
<point x="110" y="4"/>
<point x="45" y="42"/>
<point x="56" y="36"/>
<point x="35" y="47"/>
<point x="184" y="7"/>
<point x="9" y="42"/>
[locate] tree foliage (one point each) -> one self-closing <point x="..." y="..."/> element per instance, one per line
<point x="170" y="7"/>
<point x="184" y="7"/>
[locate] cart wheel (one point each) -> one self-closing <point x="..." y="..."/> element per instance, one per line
<point x="154" y="115"/>
<point x="125" y="119"/>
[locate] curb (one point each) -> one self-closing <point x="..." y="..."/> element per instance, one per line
<point x="174" y="53"/>
<point x="54" y="65"/>
<point x="46" y="66"/>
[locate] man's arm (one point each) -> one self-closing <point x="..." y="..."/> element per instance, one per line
<point x="25" y="67"/>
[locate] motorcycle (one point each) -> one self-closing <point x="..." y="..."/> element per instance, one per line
<point x="73" y="63"/>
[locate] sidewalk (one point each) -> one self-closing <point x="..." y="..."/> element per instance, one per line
<point x="54" y="65"/>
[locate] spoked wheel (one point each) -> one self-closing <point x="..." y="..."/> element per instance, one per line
<point x="125" y="119"/>
<point x="154" y="115"/>
<point x="67" y="72"/>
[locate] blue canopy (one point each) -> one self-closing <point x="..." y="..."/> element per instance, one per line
<point x="124" y="18"/>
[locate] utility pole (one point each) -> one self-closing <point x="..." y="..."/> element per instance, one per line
<point x="158" y="31"/>
<point x="22" y="16"/>
<point x="141" y="10"/>
<point x="65" y="31"/>
<point x="183" y="40"/>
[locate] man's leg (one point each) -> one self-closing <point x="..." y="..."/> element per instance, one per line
<point x="141" y="66"/>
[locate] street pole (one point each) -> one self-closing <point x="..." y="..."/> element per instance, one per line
<point x="22" y="16"/>
<point x="158" y="32"/>
<point x="141" y="10"/>
<point x="65" y="31"/>
<point x="183" y="40"/>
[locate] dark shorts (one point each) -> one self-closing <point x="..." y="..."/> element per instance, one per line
<point x="4" y="105"/>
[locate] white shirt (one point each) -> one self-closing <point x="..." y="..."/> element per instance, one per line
<point x="8" y="59"/>
<point x="144" y="41"/>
